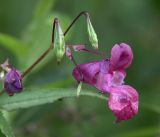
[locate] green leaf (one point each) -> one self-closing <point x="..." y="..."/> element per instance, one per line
<point x="15" y="46"/>
<point x="5" y="127"/>
<point x="12" y="44"/>
<point x="39" y="96"/>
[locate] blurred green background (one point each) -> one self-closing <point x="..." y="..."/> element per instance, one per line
<point x="25" y="32"/>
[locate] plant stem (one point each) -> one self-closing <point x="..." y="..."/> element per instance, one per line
<point x="52" y="43"/>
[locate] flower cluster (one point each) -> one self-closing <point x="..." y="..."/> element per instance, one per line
<point x="108" y="77"/>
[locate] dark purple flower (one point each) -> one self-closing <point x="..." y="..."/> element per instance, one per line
<point x="13" y="82"/>
<point x="108" y="77"/>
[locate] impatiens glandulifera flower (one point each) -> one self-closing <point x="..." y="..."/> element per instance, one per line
<point x="108" y="77"/>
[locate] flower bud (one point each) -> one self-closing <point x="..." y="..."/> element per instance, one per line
<point x="13" y="82"/>
<point x="59" y="42"/>
<point x="92" y="34"/>
<point x="11" y="77"/>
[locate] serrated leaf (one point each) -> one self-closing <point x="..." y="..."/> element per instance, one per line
<point x="5" y="127"/>
<point x="39" y="96"/>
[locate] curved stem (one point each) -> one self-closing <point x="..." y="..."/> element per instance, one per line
<point x="85" y="13"/>
<point x="44" y="54"/>
<point x="52" y="45"/>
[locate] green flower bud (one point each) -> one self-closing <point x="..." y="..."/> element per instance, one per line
<point x="92" y="34"/>
<point x="59" y="42"/>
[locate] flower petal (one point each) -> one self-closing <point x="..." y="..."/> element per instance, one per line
<point x="123" y="101"/>
<point x="121" y="56"/>
<point x="117" y="78"/>
<point x="95" y="73"/>
<point x="89" y="71"/>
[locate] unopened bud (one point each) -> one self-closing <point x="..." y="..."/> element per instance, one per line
<point x="92" y="34"/>
<point x="59" y="42"/>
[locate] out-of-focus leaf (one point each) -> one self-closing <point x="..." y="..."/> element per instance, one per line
<point x="14" y="45"/>
<point x="43" y="7"/>
<point x="5" y="127"/>
<point x="39" y="96"/>
<point x="151" y="107"/>
<point x="150" y="100"/>
<point x="146" y="132"/>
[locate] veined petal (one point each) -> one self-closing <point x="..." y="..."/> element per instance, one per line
<point x="95" y="74"/>
<point x="89" y="72"/>
<point x="117" y="78"/>
<point x="123" y="102"/>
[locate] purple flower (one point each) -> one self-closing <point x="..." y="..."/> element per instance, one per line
<point x="13" y="82"/>
<point x="108" y="77"/>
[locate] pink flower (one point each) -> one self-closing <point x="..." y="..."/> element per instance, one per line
<point x="108" y="77"/>
<point x="104" y="74"/>
<point x="121" y="56"/>
<point x="123" y="101"/>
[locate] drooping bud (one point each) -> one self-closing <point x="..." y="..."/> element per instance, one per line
<point x="11" y="77"/>
<point x="13" y="82"/>
<point x="59" y="42"/>
<point x="92" y="34"/>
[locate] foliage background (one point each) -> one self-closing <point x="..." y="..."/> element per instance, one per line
<point x="25" y="32"/>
